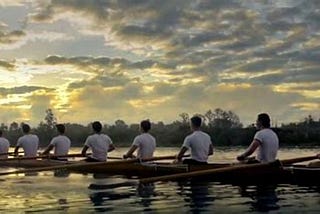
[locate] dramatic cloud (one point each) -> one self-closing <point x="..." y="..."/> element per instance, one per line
<point x="160" y="58"/>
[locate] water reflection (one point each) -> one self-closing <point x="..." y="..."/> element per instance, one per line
<point x="102" y="199"/>
<point x="196" y="194"/>
<point x="146" y="192"/>
<point x="105" y="193"/>
<point x="264" y="197"/>
<point x="61" y="173"/>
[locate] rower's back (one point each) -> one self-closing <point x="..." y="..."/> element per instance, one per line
<point x="4" y="146"/>
<point x="29" y="142"/>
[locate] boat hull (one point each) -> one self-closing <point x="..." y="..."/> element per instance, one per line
<point x="144" y="169"/>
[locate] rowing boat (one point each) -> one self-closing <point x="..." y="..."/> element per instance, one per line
<point x="144" y="169"/>
<point x="271" y="173"/>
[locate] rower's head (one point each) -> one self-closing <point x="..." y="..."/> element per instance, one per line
<point x="195" y="122"/>
<point x="25" y="128"/>
<point x="145" y="125"/>
<point x="263" y="121"/>
<point x="96" y="126"/>
<point x="61" y="128"/>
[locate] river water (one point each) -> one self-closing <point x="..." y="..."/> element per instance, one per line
<point x="71" y="193"/>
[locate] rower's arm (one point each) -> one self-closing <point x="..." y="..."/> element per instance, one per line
<point x="181" y="153"/>
<point x="16" y="149"/>
<point x="84" y="150"/>
<point x="210" y="150"/>
<point x="111" y="148"/>
<point x="48" y="149"/>
<point x="253" y="146"/>
<point x="129" y="154"/>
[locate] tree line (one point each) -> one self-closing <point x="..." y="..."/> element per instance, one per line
<point x="224" y="127"/>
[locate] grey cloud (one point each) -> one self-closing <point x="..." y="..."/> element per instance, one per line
<point x="307" y="87"/>
<point x="262" y="65"/>
<point x="216" y="4"/>
<point x="87" y="61"/>
<point x="55" y="60"/>
<point x="304" y="75"/>
<point x="11" y="37"/>
<point x="104" y="81"/>
<point x="7" y="65"/>
<point x="47" y="11"/>
<point x="21" y="90"/>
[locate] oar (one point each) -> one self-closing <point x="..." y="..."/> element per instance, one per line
<point x="300" y="159"/>
<point x="224" y="169"/>
<point x="84" y="164"/>
<point x="44" y="157"/>
<point x="9" y="153"/>
<point x="204" y="172"/>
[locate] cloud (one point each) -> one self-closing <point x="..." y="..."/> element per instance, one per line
<point x="178" y="56"/>
<point x="11" y="37"/>
<point x="9" y="66"/>
<point x="7" y="3"/>
<point x="20" y="90"/>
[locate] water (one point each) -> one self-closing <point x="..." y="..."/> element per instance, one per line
<point x="70" y="193"/>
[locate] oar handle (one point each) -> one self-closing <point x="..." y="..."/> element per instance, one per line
<point x="9" y="153"/>
<point x="299" y="159"/>
<point x="43" y="157"/>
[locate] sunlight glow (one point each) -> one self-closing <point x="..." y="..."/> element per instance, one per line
<point x="306" y="90"/>
<point x="140" y="103"/>
<point x="306" y="106"/>
<point x="233" y="86"/>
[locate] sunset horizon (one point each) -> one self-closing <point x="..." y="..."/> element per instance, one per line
<point x="135" y="60"/>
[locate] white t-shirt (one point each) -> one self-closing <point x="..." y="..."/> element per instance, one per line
<point x="61" y="145"/>
<point x="99" y="144"/>
<point x="269" y="144"/>
<point x="146" y="144"/>
<point x="4" y="147"/>
<point x="199" y="142"/>
<point x="29" y="143"/>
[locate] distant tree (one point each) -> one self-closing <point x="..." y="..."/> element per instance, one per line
<point x="13" y="126"/>
<point x="13" y="132"/>
<point x="224" y="119"/>
<point x="46" y="128"/>
<point x="50" y="119"/>
<point x="120" y="124"/>
<point x="210" y="117"/>
<point x="184" y="118"/>
<point x="3" y="127"/>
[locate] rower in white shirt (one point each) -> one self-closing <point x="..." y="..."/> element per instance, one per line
<point x="29" y="142"/>
<point x="145" y="143"/>
<point x="265" y="140"/>
<point x="99" y="143"/>
<point x="4" y="146"/>
<point x="60" y="143"/>
<point x="199" y="142"/>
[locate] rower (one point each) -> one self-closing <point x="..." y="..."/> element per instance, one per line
<point x="4" y="146"/>
<point x="99" y="143"/>
<point x="60" y="143"/>
<point x="199" y="142"/>
<point x="145" y="143"/>
<point x="29" y="142"/>
<point x="266" y="140"/>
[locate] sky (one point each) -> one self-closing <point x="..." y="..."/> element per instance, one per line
<point x="131" y="60"/>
